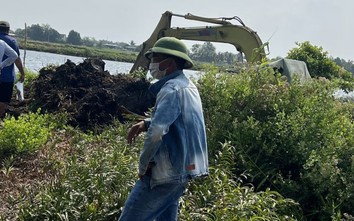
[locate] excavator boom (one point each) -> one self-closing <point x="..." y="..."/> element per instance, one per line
<point x="243" y="38"/>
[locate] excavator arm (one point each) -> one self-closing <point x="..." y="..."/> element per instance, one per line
<point x="243" y="38"/>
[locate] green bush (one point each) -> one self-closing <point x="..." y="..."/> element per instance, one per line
<point x="94" y="183"/>
<point x="25" y="134"/>
<point x="97" y="178"/>
<point x="287" y="154"/>
<point x="295" y="139"/>
<point x="221" y="196"/>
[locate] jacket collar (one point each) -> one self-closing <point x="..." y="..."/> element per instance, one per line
<point x="156" y="87"/>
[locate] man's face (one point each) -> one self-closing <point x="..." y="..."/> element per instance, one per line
<point x="157" y="58"/>
<point x="162" y="60"/>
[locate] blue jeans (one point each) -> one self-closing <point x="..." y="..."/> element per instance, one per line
<point x="146" y="204"/>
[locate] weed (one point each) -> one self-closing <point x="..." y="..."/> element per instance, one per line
<point x="7" y="165"/>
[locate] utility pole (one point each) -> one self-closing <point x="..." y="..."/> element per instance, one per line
<point x="24" y="53"/>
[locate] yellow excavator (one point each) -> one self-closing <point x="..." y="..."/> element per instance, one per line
<point x="242" y="37"/>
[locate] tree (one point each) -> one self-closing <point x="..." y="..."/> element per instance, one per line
<point x="55" y="36"/>
<point x="226" y="58"/>
<point x="46" y="28"/>
<point x="205" y="52"/>
<point x="317" y="61"/>
<point x="41" y="33"/>
<point x="89" y="41"/>
<point x="347" y="65"/>
<point x="36" y="32"/>
<point x="20" y="32"/>
<point x="51" y="35"/>
<point x="74" y="38"/>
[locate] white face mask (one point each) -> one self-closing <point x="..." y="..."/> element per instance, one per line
<point x="155" y="71"/>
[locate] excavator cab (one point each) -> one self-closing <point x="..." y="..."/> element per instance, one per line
<point x="242" y="37"/>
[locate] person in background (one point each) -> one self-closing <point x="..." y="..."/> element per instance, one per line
<point x="175" y="146"/>
<point x="8" y="76"/>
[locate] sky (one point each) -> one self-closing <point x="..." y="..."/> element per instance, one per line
<point x="324" y="23"/>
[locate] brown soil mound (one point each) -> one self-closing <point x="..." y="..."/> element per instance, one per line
<point x="91" y="96"/>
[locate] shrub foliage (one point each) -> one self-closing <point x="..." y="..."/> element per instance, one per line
<point x="92" y="185"/>
<point x="295" y="139"/>
<point x="277" y="152"/>
<point x="24" y="135"/>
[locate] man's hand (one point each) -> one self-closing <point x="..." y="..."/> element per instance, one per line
<point x="135" y="130"/>
<point x="22" y="78"/>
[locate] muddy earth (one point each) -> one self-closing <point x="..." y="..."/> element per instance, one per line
<point x="91" y="96"/>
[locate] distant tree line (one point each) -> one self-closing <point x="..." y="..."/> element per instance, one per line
<point x="347" y="65"/>
<point x="317" y="60"/>
<point x="207" y="53"/>
<point x="46" y="33"/>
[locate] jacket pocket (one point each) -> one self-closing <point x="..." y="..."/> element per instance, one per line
<point x="163" y="161"/>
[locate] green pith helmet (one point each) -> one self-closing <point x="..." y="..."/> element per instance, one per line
<point x="171" y="46"/>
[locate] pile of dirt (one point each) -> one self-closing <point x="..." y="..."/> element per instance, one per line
<point x="91" y="96"/>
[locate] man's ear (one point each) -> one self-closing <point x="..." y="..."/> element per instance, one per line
<point x="172" y="65"/>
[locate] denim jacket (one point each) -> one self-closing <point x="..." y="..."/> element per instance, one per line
<point x="175" y="141"/>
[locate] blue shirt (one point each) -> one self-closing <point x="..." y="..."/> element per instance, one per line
<point x="176" y="137"/>
<point x="8" y="73"/>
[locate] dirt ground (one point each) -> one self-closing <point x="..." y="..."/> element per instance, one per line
<point x="91" y="96"/>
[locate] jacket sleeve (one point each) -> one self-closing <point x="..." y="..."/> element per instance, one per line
<point x="11" y="56"/>
<point x="147" y="122"/>
<point x="166" y="112"/>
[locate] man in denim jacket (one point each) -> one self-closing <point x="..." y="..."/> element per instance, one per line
<point x="175" y="147"/>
